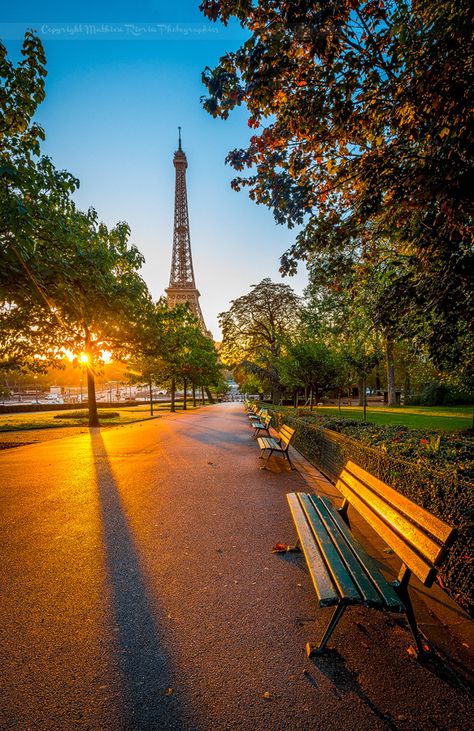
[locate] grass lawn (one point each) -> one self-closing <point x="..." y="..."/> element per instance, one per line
<point x="47" y="420"/>
<point x="443" y="418"/>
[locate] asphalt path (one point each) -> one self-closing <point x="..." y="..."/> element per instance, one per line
<point x="139" y="591"/>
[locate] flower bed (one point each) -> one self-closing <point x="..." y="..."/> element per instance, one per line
<point x="451" y="451"/>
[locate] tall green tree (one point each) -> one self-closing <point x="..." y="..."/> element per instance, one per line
<point x="34" y="195"/>
<point x="254" y="327"/>
<point x="86" y="297"/>
<point x="309" y="364"/>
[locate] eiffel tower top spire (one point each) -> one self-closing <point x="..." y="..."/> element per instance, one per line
<point x="182" y="287"/>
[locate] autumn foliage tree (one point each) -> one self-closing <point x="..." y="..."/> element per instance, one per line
<point x="362" y="111"/>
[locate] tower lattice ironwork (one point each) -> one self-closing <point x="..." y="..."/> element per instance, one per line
<point x="182" y="287"/>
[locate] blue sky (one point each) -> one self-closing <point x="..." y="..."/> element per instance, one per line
<point x="121" y="78"/>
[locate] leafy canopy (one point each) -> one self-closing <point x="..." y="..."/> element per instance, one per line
<point x="362" y="111"/>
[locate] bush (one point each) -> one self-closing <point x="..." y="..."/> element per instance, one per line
<point x="85" y="415"/>
<point x="440" y="394"/>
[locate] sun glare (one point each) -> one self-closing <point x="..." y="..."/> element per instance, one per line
<point x="83" y="358"/>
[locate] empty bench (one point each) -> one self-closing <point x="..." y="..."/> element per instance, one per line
<point x="263" y="424"/>
<point x="257" y="415"/>
<point x="342" y="572"/>
<point x="280" y="443"/>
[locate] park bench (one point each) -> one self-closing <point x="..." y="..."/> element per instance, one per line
<point x="280" y="443"/>
<point x="262" y="425"/>
<point x="258" y="415"/>
<point x="342" y="572"/>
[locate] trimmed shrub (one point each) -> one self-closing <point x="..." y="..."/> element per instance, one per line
<point x="85" y="415"/>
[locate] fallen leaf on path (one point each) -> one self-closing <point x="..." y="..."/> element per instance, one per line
<point x="285" y="548"/>
<point x="266" y="695"/>
<point x="411" y="651"/>
<point x="169" y="691"/>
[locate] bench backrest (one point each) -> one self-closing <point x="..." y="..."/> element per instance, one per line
<point x="267" y="420"/>
<point x="419" y="538"/>
<point x="285" y="435"/>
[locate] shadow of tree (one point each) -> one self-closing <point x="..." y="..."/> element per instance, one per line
<point x="145" y="667"/>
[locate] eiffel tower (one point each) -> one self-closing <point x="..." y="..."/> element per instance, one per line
<point x="182" y="287"/>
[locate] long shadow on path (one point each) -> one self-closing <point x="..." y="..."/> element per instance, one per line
<point x="144" y="664"/>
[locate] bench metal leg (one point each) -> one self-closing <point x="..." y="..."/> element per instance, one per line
<point x="401" y="586"/>
<point x="264" y="466"/>
<point x="404" y="595"/>
<point x="312" y="651"/>
<point x="289" y="460"/>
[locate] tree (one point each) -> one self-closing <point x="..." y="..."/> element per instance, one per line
<point x="34" y="195"/>
<point x="363" y="116"/>
<point x="309" y="363"/>
<point x="253" y="329"/>
<point x="85" y="297"/>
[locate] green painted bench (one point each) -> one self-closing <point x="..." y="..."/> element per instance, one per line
<point x="342" y="572"/>
<point x="280" y="444"/>
<point x="262" y="425"/>
<point x="257" y="415"/>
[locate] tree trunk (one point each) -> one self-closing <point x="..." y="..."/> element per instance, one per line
<point x="360" y="386"/>
<point x="407" y="387"/>
<point x="377" y="380"/>
<point x="209" y="395"/>
<point x="339" y="401"/>
<point x="296" y="399"/>
<point x="194" y="395"/>
<point x="185" y="395"/>
<point x="93" y="418"/>
<point x="202" y="395"/>
<point x="311" y="399"/>
<point x="151" y="397"/>
<point x="364" y="397"/>
<point x="390" y="364"/>
<point x="173" y="395"/>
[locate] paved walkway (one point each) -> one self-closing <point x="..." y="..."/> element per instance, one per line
<point x="139" y="591"/>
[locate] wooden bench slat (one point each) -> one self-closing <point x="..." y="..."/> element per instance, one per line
<point x="340" y="575"/>
<point x="415" y="563"/>
<point x="384" y="588"/>
<point x="395" y="520"/>
<point x="440" y="530"/>
<point x="286" y="433"/>
<point x="355" y="565"/>
<point x="320" y="576"/>
<point x="267" y="443"/>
